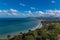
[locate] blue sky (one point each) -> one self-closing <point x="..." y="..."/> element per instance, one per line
<point x="38" y="4"/>
<point x="26" y="8"/>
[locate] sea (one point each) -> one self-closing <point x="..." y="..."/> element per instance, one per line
<point x="12" y="25"/>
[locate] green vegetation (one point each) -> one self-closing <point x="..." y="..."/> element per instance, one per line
<point x="49" y="31"/>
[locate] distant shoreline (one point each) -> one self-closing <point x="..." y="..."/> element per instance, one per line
<point x="17" y="33"/>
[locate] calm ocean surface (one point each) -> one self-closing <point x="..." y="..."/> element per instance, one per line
<point x="9" y="25"/>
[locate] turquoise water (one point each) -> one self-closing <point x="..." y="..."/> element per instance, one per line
<point x="14" y="25"/>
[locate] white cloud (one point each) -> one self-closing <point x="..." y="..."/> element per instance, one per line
<point x="9" y="12"/>
<point x="21" y="4"/>
<point x="50" y="12"/>
<point x="0" y="10"/>
<point x="46" y="13"/>
<point x="15" y="14"/>
<point x="33" y="8"/>
<point x="13" y="10"/>
<point x="52" y="1"/>
<point x="29" y="13"/>
<point x="5" y="11"/>
<point x="54" y="13"/>
<point x="40" y="12"/>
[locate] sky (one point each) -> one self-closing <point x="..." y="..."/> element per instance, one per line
<point x="29" y="8"/>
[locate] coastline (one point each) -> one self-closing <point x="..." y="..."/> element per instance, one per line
<point x="17" y="33"/>
<point x="38" y="26"/>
